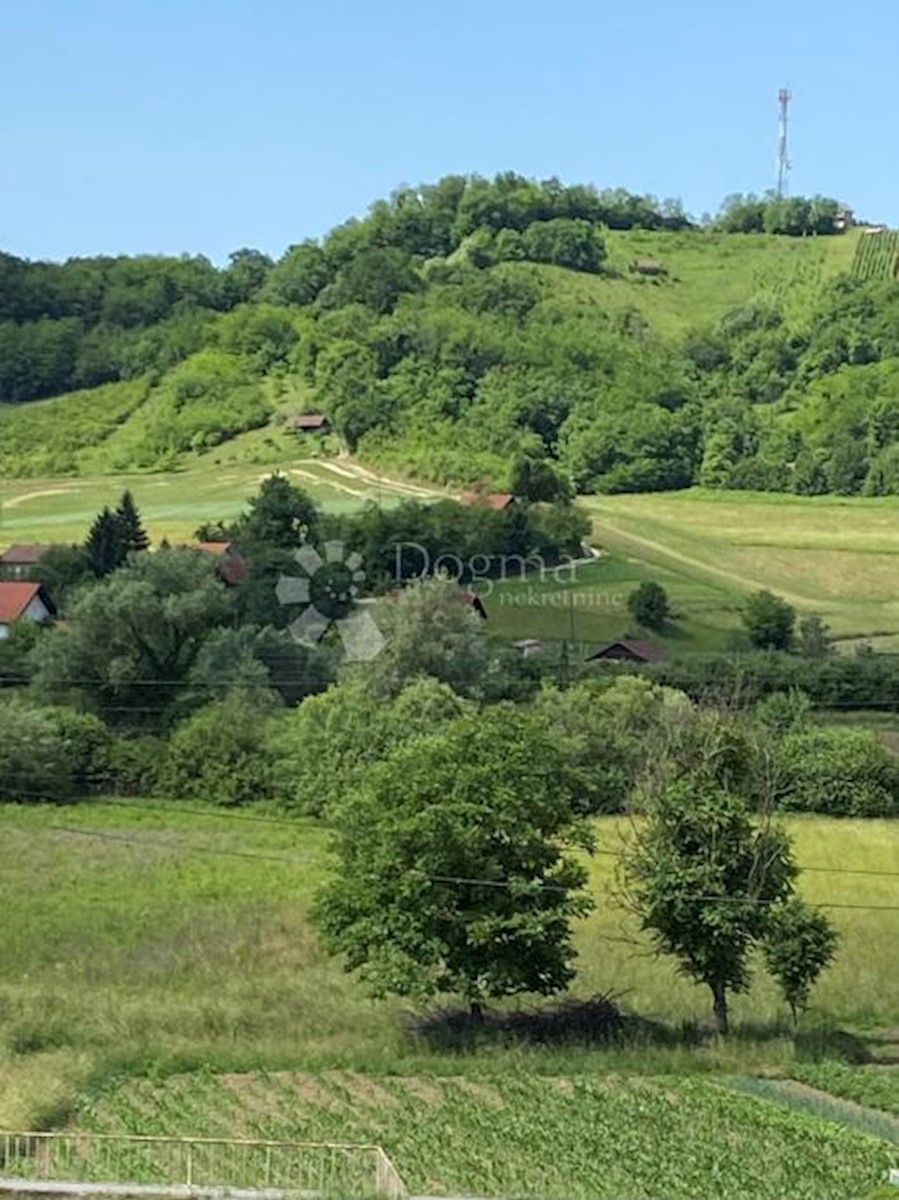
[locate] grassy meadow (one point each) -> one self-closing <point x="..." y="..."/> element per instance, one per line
<point x="138" y="935"/>
<point x="586" y="605"/>
<point x="174" y="503"/>
<point x="708" y="274"/>
<point x="835" y="557"/>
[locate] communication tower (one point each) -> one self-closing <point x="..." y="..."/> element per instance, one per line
<point x="783" y="157"/>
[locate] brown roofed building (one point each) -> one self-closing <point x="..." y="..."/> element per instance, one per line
<point x="630" y="651"/>
<point x="311" y="422"/>
<point x="498" y="501"/>
<point x="22" y="601"/>
<point x="230" y="563"/>
<point x="18" y="560"/>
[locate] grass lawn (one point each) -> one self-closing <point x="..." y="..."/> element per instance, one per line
<point x="216" y="486"/>
<point x="137" y="936"/>
<point x="835" y="557"/>
<point x="586" y="605"/>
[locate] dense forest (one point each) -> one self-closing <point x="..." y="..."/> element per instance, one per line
<point x="443" y="336"/>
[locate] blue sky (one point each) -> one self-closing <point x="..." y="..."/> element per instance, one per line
<point x="207" y="125"/>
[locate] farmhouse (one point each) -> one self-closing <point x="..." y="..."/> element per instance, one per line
<point x="311" y="422"/>
<point x="498" y="501"/>
<point x="21" y="601"/>
<point x="230" y="563"/>
<point x="630" y="651"/>
<point x="18" y="560"/>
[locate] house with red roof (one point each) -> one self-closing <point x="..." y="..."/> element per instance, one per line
<point x="21" y="601"/>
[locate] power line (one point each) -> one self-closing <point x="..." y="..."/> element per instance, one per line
<point x="289" y="822"/>
<point x="458" y="880"/>
<point x="104" y="835"/>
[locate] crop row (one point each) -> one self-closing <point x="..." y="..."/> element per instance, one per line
<point x="877" y="256"/>
<point x="527" y="1136"/>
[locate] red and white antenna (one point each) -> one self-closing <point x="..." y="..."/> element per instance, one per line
<point x="784" y="96"/>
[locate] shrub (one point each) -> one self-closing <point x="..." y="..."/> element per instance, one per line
<point x="841" y="772"/>
<point x="52" y="753"/>
<point x="769" y="621"/>
<point x="220" y="754"/>
<point x="134" y="765"/>
<point x="648" y="604"/>
<point x="85" y="742"/>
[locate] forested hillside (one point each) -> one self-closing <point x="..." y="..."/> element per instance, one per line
<point x="481" y="331"/>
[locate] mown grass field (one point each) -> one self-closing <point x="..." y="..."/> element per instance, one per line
<point x="585" y="605"/>
<point x="155" y="939"/>
<point x="835" y="557"/>
<point x="173" y="504"/>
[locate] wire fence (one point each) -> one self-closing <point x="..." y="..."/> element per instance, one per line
<point x="202" y="1165"/>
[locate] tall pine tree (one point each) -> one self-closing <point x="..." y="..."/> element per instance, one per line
<point x="133" y="534"/>
<point x="104" y="547"/>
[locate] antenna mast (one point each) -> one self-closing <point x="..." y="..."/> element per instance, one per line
<point x="783" y="158"/>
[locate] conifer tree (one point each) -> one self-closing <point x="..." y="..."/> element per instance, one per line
<point x="133" y="535"/>
<point x="104" y="546"/>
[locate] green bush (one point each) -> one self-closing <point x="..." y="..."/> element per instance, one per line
<point x="220" y="754"/>
<point x="46" y="754"/>
<point x="134" y="765"/>
<point x="85" y="741"/>
<point x="648" y="604"/>
<point x="840" y="772"/>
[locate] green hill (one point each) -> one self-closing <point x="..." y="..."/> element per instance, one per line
<point x="463" y="328"/>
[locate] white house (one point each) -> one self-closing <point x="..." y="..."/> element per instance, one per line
<point x="22" y="602"/>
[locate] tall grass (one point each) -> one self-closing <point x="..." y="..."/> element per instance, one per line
<point x="136" y="940"/>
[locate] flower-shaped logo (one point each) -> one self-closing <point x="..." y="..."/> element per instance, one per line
<point x="327" y="589"/>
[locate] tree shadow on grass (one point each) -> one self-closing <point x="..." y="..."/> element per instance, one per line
<point x="599" y="1021"/>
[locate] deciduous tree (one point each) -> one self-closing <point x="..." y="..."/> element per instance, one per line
<point x="701" y="875"/>
<point x="454" y="871"/>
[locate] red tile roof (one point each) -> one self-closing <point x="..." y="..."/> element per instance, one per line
<point x="215" y="548"/>
<point x="15" y="598"/>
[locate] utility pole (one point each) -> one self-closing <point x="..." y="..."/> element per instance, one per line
<point x="784" y="96"/>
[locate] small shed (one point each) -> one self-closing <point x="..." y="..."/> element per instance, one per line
<point x="310" y="422"/>
<point x="648" y="266"/>
<point x="630" y="651"/>
<point x="529" y="647"/>
<point x="22" y="602"/>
